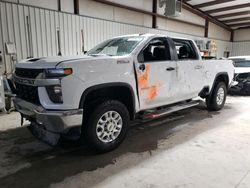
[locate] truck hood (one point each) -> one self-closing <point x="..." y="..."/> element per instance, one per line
<point x="49" y="62"/>
<point x="239" y="70"/>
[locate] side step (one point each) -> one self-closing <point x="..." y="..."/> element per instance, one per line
<point x="151" y="114"/>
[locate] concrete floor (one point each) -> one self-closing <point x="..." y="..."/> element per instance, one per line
<point x="192" y="148"/>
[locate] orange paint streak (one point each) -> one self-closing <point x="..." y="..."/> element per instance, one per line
<point x="143" y="84"/>
<point x="152" y="93"/>
<point x="143" y="78"/>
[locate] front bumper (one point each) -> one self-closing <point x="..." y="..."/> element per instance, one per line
<point x="241" y="88"/>
<point x="47" y="123"/>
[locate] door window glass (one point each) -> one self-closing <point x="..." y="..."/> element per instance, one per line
<point x="156" y="50"/>
<point x="185" y="49"/>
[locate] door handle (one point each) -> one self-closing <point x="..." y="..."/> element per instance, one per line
<point x="142" y="67"/>
<point x="198" y="67"/>
<point x="170" y="69"/>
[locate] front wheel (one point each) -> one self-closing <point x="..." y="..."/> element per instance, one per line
<point x="107" y="125"/>
<point x="216" y="100"/>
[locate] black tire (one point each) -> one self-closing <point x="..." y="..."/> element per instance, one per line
<point x="90" y="128"/>
<point x="211" y="100"/>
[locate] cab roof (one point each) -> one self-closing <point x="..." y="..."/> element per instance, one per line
<point x="149" y="35"/>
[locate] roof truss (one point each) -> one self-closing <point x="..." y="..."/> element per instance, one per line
<point x="211" y="3"/>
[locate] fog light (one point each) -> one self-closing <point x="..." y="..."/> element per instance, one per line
<point x="57" y="89"/>
<point x="55" y="93"/>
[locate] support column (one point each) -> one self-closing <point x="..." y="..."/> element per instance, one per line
<point x="206" y="28"/>
<point x="232" y="36"/>
<point x="154" y="17"/>
<point x="59" y="5"/>
<point x="76" y="7"/>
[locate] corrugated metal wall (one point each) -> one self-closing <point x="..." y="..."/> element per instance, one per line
<point x="35" y="31"/>
<point x="241" y="48"/>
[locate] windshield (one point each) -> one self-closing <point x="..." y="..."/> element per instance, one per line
<point x="116" y="47"/>
<point x="241" y="62"/>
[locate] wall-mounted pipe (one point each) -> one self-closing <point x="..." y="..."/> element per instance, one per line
<point x="59" y="43"/>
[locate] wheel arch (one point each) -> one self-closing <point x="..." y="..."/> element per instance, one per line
<point x="109" y="90"/>
<point x="222" y="76"/>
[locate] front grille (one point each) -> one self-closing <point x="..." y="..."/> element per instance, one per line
<point x="28" y="93"/>
<point x="28" y="73"/>
<point x="242" y="77"/>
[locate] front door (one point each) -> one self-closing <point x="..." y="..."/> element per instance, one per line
<point x="156" y="75"/>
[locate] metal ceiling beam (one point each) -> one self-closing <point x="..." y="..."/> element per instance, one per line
<point x="211" y="3"/>
<point x="237" y="20"/>
<point x="185" y="6"/>
<point x="125" y="7"/>
<point x="246" y="27"/>
<point x="228" y="8"/>
<point x="146" y="12"/>
<point x="240" y="24"/>
<point x="232" y="14"/>
<point x="205" y="16"/>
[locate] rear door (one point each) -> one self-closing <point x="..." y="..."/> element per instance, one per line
<point x="190" y="69"/>
<point x="156" y="74"/>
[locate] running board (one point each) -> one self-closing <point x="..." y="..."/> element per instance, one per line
<point x="180" y="106"/>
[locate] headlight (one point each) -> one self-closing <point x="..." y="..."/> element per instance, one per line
<point x="55" y="73"/>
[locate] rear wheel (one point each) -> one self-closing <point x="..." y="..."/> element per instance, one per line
<point x="107" y="125"/>
<point x="216" y="100"/>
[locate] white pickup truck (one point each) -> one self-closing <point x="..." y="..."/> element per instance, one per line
<point x="96" y="95"/>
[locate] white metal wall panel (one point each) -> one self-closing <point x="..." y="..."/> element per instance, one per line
<point x="62" y="34"/>
<point x="53" y="32"/>
<point x="4" y="28"/>
<point x="67" y="6"/>
<point x="217" y="32"/>
<point x="70" y="34"/>
<point x="17" y="37"/>
<point x="2" y="68"/>
<point x="26" y="30"/>
<point x="34" y="31"/>
<point x="242" y="35"/>
<point x="65" y="34"/>
<point x="9" y="21"/>
<point x="51" y="4"/>
<point x="241" y="48"/>
<point x="57" y="27"/>
<point x="48" y="33"/>
<point x="43" y="33"/>
<point x="38" y="34"/>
